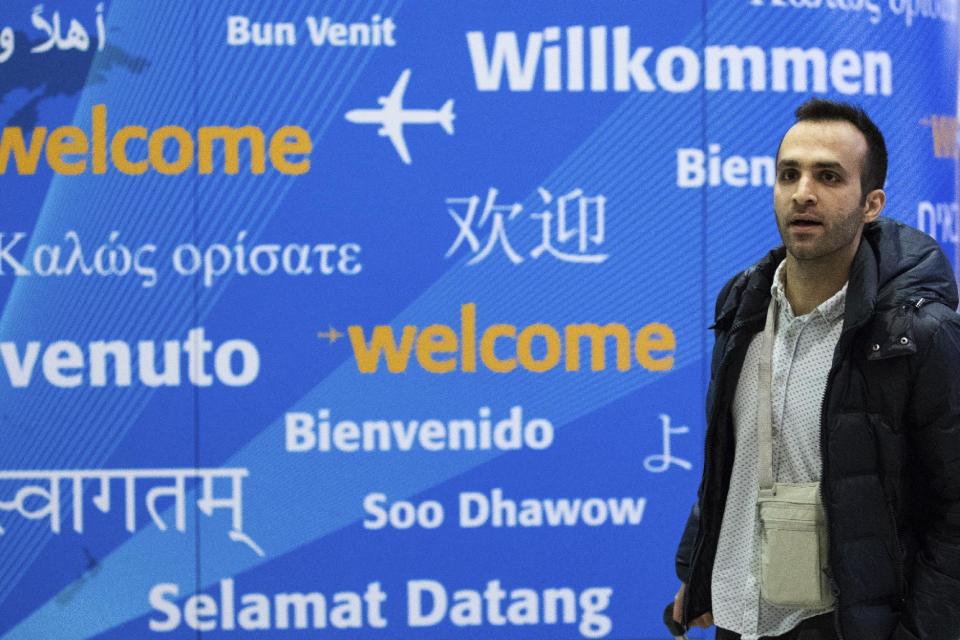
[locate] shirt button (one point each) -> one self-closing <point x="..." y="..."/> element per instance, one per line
<point x="875" y="347"/>
<point x="904" y="340"/>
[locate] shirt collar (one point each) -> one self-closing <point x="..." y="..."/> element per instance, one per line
<point x="830" y="309"/>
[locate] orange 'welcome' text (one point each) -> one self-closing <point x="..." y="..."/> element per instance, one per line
<point x="169" y="150"/>
<point x="503" y="348"/>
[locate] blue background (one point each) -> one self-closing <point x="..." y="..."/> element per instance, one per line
<point x="670" y="250"/>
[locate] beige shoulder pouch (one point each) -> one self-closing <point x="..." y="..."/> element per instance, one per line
<point x="793" y="532"/>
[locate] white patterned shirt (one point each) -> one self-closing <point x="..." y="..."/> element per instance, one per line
<point x="802" y="355"/>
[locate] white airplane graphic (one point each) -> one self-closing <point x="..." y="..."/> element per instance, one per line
<point x="392" y="116"/>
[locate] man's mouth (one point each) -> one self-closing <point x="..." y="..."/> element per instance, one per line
<point x="805" y="224"/>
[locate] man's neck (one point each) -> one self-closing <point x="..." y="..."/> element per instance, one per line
<point x="809" y="283"/>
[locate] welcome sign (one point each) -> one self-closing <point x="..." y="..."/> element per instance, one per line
<point x="390" y="319"/>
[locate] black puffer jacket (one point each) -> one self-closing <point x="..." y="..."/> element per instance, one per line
<point x="890" y="439"/>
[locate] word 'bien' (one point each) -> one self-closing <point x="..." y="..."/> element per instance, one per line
<point x="71" y="151"/>
<point x="439" y="348"/>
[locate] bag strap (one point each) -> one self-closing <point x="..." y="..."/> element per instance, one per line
<point x="765" y="402"/>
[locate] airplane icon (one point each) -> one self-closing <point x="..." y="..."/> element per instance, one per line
<point x="332" y="335"/>
<point x="392" y="116"/>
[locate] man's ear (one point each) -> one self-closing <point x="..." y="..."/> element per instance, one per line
<point x="873" y="204"/>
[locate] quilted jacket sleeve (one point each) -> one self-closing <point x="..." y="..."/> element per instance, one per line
<point x="932" y="607"/>
<point x="684" y="556"/>
<point x="685" y="549"/>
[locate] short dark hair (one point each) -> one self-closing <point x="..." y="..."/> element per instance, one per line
<point x="873" y="173"/>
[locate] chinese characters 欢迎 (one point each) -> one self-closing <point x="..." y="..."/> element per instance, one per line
<point x="572" y="226"/>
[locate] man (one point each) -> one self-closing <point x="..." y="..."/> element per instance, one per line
<point x="865" y="400"/>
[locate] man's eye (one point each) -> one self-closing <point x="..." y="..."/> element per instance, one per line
<point x="788" y="174"/>
<point x="830" y="176"/>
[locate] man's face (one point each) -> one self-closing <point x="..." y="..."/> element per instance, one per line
<point x="817" y="195"/>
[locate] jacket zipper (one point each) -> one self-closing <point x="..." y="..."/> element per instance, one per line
<point x="698" y="543"/>
<point x="901" y="587"/>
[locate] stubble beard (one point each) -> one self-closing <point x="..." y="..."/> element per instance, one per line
<point x="834" y="237"/>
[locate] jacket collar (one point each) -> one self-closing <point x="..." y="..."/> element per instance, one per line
<point x="861" y="287"/>
<point x="894" y="264"/>
<point x="746" y="304"/>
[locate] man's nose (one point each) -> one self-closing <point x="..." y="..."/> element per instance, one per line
<point x="804" y="194"/>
